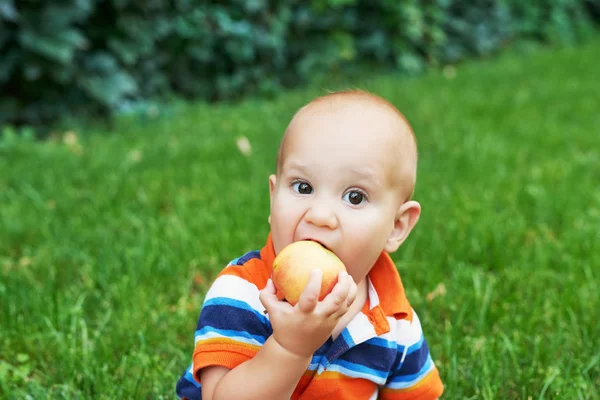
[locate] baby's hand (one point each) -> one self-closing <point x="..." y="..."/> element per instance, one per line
<point x="303" y="328"/>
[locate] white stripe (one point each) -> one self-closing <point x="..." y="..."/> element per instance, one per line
<point x="360" y="328"/>
<point x="373" y="297"/>
<point x="242" y="339"/>
<point x="236" y="288"/>
<point x="374" y="396"/>
<point x="404" y="332"/>
<point x="356" y="374"/>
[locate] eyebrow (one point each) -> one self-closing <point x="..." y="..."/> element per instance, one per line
<point x="367" y="176"/>
<point x="295" y="166"/>
<point x="364" y="176"/>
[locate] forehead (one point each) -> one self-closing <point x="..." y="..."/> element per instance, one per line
<point x="340" y="134"/>
<point x="352" y="124"/>
<point x="352" y="137"/>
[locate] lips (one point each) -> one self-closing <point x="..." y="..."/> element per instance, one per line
<point x="317" y="241"/>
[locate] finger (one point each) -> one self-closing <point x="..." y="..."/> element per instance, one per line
<point x="343" y="309"/>
<point x="336" y="300"/>
<point x="268" y="296"/>
<point x="353" y="291"/>
<point x="310" y="295"/>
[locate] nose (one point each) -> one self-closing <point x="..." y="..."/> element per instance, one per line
<point x="321" y="214"/>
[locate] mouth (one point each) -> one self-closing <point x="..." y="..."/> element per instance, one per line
<point x="318" y="242"/>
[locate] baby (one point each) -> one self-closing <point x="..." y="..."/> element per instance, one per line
<point x="346" y="170"/>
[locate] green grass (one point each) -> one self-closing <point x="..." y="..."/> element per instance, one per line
<point x="106" y="249"/>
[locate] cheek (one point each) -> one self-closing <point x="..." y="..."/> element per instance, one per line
<point x="370" y="234"/>
<point x="284" y="218"/>
<point x="374" y="223"/>
<point x="282" y="209"/>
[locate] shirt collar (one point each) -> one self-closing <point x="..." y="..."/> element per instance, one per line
<point x="267" y="254"/>
<point x="385" y="286"/>
<point x="386" y="289"/>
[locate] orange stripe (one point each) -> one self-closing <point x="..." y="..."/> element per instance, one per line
<point x="335" y="386"/>
<point x="431" y="385"/>
<point x="333" y="375"/>
<point x="221" y="352"/>
<point x="305" y="380"/>
<point x="253" y="271"/>
<point x="225" y="344"/>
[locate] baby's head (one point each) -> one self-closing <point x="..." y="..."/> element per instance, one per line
<point x="346" y="171"/>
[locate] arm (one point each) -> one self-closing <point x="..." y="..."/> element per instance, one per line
<point x="281" y="369"/>
<point x="297" y="333"/>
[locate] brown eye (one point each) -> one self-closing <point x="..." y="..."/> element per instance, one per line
<point x="302" y="188"/>
<point x="355" y="197"/>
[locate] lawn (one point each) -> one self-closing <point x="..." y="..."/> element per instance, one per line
<point x="109" y="238"/>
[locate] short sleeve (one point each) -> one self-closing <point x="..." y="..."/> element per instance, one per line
<point x="414" y="375"/>
<point x="231" y="329"/>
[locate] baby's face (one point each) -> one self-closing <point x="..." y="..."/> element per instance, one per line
<point x="336" y="186"/>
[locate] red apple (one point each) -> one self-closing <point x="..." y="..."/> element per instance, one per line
<point x="292" y="266"/>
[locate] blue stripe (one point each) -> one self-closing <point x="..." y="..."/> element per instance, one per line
<point x="373" y="357"/>
<point x="416" y="346"/>
<point x="246" y="257"/>
<point x="390" y="344"/>
<point x="412" y="377"/>
<point x="190" y="378"/>
<point x="336" y="348"/>
<point x="348" y="338"/>
<point x="231" y="318"/>
<point x="229" y="333"/>
<point x="226" y="313"/>
<point x="360" y="369"/>
<point x="187" y="387"/>
<point x="413" y="362"/>
<point x="315" y="362"/>
<point x="237" y="304"/>
<point x="234" y="261"/>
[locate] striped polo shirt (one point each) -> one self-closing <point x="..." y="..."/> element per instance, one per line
<point x="381" y="354"/>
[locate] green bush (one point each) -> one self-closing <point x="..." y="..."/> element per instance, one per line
<point x="95" y="57"/>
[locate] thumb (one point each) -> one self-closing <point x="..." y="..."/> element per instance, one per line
<point x="268" y="296"/>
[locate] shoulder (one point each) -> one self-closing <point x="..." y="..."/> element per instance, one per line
<point x="413" y="349"/>
<point x="239" y="283"/>
<point x="249" y="267"/>
<point x="407" y="332"/>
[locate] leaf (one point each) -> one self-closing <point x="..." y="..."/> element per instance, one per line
<point x="111" y="89"/>
<point x="127" y="52"/>
<point x="410" y="62"/>
<point x="8" y="11"/>
<point x="73" y="37"/>
<point x="53" y="48"/>
<point x="8" y="62"/>
<point x="102" y="62"/>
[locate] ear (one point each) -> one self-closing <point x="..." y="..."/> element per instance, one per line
<point x="272" y="184"/>
<point x="406" y="219"/>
